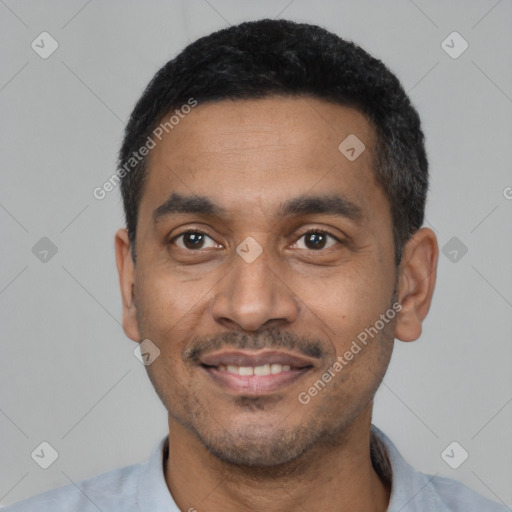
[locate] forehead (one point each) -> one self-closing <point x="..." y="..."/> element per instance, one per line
<point x="252" y="153"/>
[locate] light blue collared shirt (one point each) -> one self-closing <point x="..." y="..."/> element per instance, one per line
<point x="142" y="488"/>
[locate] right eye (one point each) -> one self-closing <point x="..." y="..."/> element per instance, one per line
<point x="192" y="240"/>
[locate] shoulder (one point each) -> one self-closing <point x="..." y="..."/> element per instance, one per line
<point x="458" y="497"/>
<point x="113" y="490"/>
<point x="412" y="490"/>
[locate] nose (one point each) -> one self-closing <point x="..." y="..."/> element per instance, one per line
<point x="253" y="297"/>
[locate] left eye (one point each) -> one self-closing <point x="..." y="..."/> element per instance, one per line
<point x="317" y="240"/>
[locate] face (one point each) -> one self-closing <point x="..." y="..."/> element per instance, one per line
<point x="263" y="254"/>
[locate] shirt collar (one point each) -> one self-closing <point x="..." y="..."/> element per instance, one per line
<point x="410" y="489"/>
<point x="153" y="493"/>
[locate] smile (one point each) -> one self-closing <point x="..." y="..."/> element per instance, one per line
<point x="265" y="369"/>
<point x="254" y="373"/>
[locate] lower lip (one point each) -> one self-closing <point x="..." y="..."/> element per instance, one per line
<point x="255" y="384"/>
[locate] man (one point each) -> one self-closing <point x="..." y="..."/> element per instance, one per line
<point x="274" y="179"/>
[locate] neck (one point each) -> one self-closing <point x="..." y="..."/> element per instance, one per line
<point x="339" y="476"/>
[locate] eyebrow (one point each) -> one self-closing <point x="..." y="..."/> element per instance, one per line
<point x="335" y="205"/>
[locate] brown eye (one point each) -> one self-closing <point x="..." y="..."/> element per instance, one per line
<point x="192" y="240"/>
<point x="317" y="239"/>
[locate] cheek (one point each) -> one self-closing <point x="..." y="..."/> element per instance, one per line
<point x="167" y="308"/>
<point x="349" y="300"/>
<point x="368" y="295"/>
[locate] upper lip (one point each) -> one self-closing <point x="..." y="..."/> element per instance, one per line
<point x="243" y="358"/>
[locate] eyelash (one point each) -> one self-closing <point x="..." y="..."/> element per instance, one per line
<point x="310" y="231"/>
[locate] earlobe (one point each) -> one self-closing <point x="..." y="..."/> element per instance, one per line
<point x="417" y="277"/>
<point x="126" y="271"/>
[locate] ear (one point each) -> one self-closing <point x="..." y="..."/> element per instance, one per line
<point x="126" y="270"/>
<point x="417" y="278"/>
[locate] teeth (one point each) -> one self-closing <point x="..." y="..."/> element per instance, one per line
<point x="262" y="370"/>
<point x="265" y="369"/>
<point x="276" y="368"/>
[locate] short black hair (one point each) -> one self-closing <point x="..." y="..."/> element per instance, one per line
<point x="263" y="58"/>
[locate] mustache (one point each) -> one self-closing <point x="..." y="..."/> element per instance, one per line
<point x="272" y="338"/>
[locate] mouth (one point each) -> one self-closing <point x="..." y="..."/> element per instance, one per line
<point x="254" y="373"/>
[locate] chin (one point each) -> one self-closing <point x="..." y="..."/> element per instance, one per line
<point x="259" y="447"/>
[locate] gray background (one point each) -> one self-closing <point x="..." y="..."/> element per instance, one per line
<point x="68" y="375"/>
